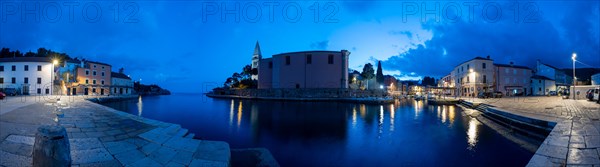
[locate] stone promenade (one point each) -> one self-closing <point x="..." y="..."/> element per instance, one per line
<point x="101" y="136"/>
<point x="574" y="141"/>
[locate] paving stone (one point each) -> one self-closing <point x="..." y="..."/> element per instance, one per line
<point x="111" y="163"/>
<point x="206" y="163"/>
<point x="21" y="139"/>
<point x="95" y="134"/>
<point x="544" y="161"/>
<point x="183" y="157"/>
<point x="149" y="148"/>
<point x="145" y="162"/>
<point x="553" y="151"/>
<point x="583" y="157"/>
<point x="107" y="138"/>
<point x="114" y="132"/>
<point x="180" y="143"/>
<point x="215" y="151"/>
<point x="8" y="159"/>
<point x="16" y="148"/>
<point x="73" y="130"/>
<point x="163" y="155"/>
<point x="84" y="143"/>
<point x="562" y="141"/>
<point x="90" y="156"/>
<point x="139" y="142"/>
<point x="119" y="147"/>
<point x="77" y="135"/>
<point x="592" y="141"/>
<point x="155" y="137"/>
<point x="174" y="164"/>
<point x="128" y="157"/>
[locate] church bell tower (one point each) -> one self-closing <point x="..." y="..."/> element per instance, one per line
<point x="256" y="60"/>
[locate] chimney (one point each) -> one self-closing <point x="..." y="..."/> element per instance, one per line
<point x="488" y="57"/>
<point x="511" y="63"/>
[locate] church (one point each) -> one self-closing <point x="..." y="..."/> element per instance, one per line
<point x="303" y="69"/>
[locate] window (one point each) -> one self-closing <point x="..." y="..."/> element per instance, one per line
<point x="484" y="77"/>
<point x="26" y="80"/>
<point x="14" y="68"/>
<point x="103" y="67"/>
<point x="330" y="59"/>
<point x="26" y="67"/>
<point x="39" y="68"/>
<point x="468" y="79"/>
<point x="94" y="90"/>
<point x="94" y="66"/>
<point x="287" y="60"/>
<point x="308" y="59"/>
<point x="462" y="68"/>
<point x="1" y="68"/>
<point x="102" y="82"/>
<point x="94" y="81"/>
<point x="270" y="64"/>
<point x="39" y="91"/>
<point x="87" y="81"/>
<point x="468" y="67"/>
<point x="1" y="80"/>
<point x="102" y="73"/>
<point x="87" y="72"/>
<point x="13" y="80"/>
<point x="47" y="91"/>
<point x="39" y="80"/>
<point x="483" y="65"/>
<point x="94" y="73"/>
<point x="540" y="89"/>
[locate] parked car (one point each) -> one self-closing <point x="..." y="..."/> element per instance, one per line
<point x="10" y="91"/>
<point x="589" y="94"/>
<point x="2" y="95"/>
<point x="595" y="94"/>
<point x="497" y="94"/>
<point x="552" y="93"/>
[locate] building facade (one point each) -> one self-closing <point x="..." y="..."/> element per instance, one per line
<point x="541" y="85"/>
<point x="121" y="84"/>
<point x="560" y="78"/>
<point x="596" y="79"/>
<point x="93" y="78"/>
<point x="27" y="75"/>
<point x="513" y="79"/>
<point x="307" y="69"/>
<point x="474" y="76"/>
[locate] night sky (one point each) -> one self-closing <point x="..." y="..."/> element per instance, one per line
<point x="185" y="46"/>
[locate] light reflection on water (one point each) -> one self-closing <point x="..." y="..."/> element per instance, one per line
<point x="140" y="106"/>
<point x="340" y="134"/>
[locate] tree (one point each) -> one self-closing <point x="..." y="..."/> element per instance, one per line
<point x="428" y="81"/>
<point x="368" y="73"/>
<point x="379" y="76"/>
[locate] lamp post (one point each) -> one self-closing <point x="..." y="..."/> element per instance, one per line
<point x="574" y="78"/>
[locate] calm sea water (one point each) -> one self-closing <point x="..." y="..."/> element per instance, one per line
<point x="407" y="133"/>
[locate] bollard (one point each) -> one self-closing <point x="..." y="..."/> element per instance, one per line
<point x="51" y="147"/>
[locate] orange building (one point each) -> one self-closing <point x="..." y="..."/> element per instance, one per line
<point x="93" y="78"/>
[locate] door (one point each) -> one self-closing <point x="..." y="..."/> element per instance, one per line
<point x="86" y="91"/>
<point x="101" y="91"/>
<point x="74" y="91"/>
<point x="26" y="90"/>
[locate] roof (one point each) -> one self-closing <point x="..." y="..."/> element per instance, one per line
<point x="550" y="66"/>
<point x="118" y="75"/>
<point x="87" y="61"/>
<point x="512" y="66"/>
<point x="313" y="51"/>
<point x="257" y="49"/>
<point x="26" y="59"/>
<point x="476" y="58"/>
<point x="541" y="77"/>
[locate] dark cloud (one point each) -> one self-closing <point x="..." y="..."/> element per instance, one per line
<point x="504" y="41"/>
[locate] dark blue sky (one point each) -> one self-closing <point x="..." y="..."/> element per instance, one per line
<point x="184" y="45"/>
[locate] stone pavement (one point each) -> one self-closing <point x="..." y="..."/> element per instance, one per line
<point x="574" y="141"/>
<point x="102" y="136"/>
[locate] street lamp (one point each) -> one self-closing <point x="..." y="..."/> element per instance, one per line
<point x="54" y="63"/>
<point x="574" y="78"/>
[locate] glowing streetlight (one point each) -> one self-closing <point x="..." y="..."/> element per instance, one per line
<point x="574" y="78"/>
<point x="55" y="62"/>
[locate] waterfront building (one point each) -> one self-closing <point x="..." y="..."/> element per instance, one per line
<point x="305" y="69"/>
<point x="474" y="76"/>
<point x="121" y="83"/>
<point x="93" y="78"/>
<point x="596" y="79"/>
<point x="513" y="79"/>
<point x="27" y="75"/>
<point x="541" y="85"/>
<point x="67" y="75"/>
<point x="562" y="81"/>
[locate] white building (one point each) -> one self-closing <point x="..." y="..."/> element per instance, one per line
<point x="121" y="84"/>
<point x="27" y="75"/>
<point x="596" y="79"/>
<point x="562" y="81"/>
<point x="541" y="85"/>
<point x="474" y="76"/>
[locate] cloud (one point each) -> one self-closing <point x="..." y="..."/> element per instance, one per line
<point x="406" y="33"/>
<point x="322" y="45"/>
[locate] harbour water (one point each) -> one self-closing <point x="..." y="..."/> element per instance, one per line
<point x="406" y="133"/>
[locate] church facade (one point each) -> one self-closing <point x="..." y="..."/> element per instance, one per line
<point x="304" y="69"/>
